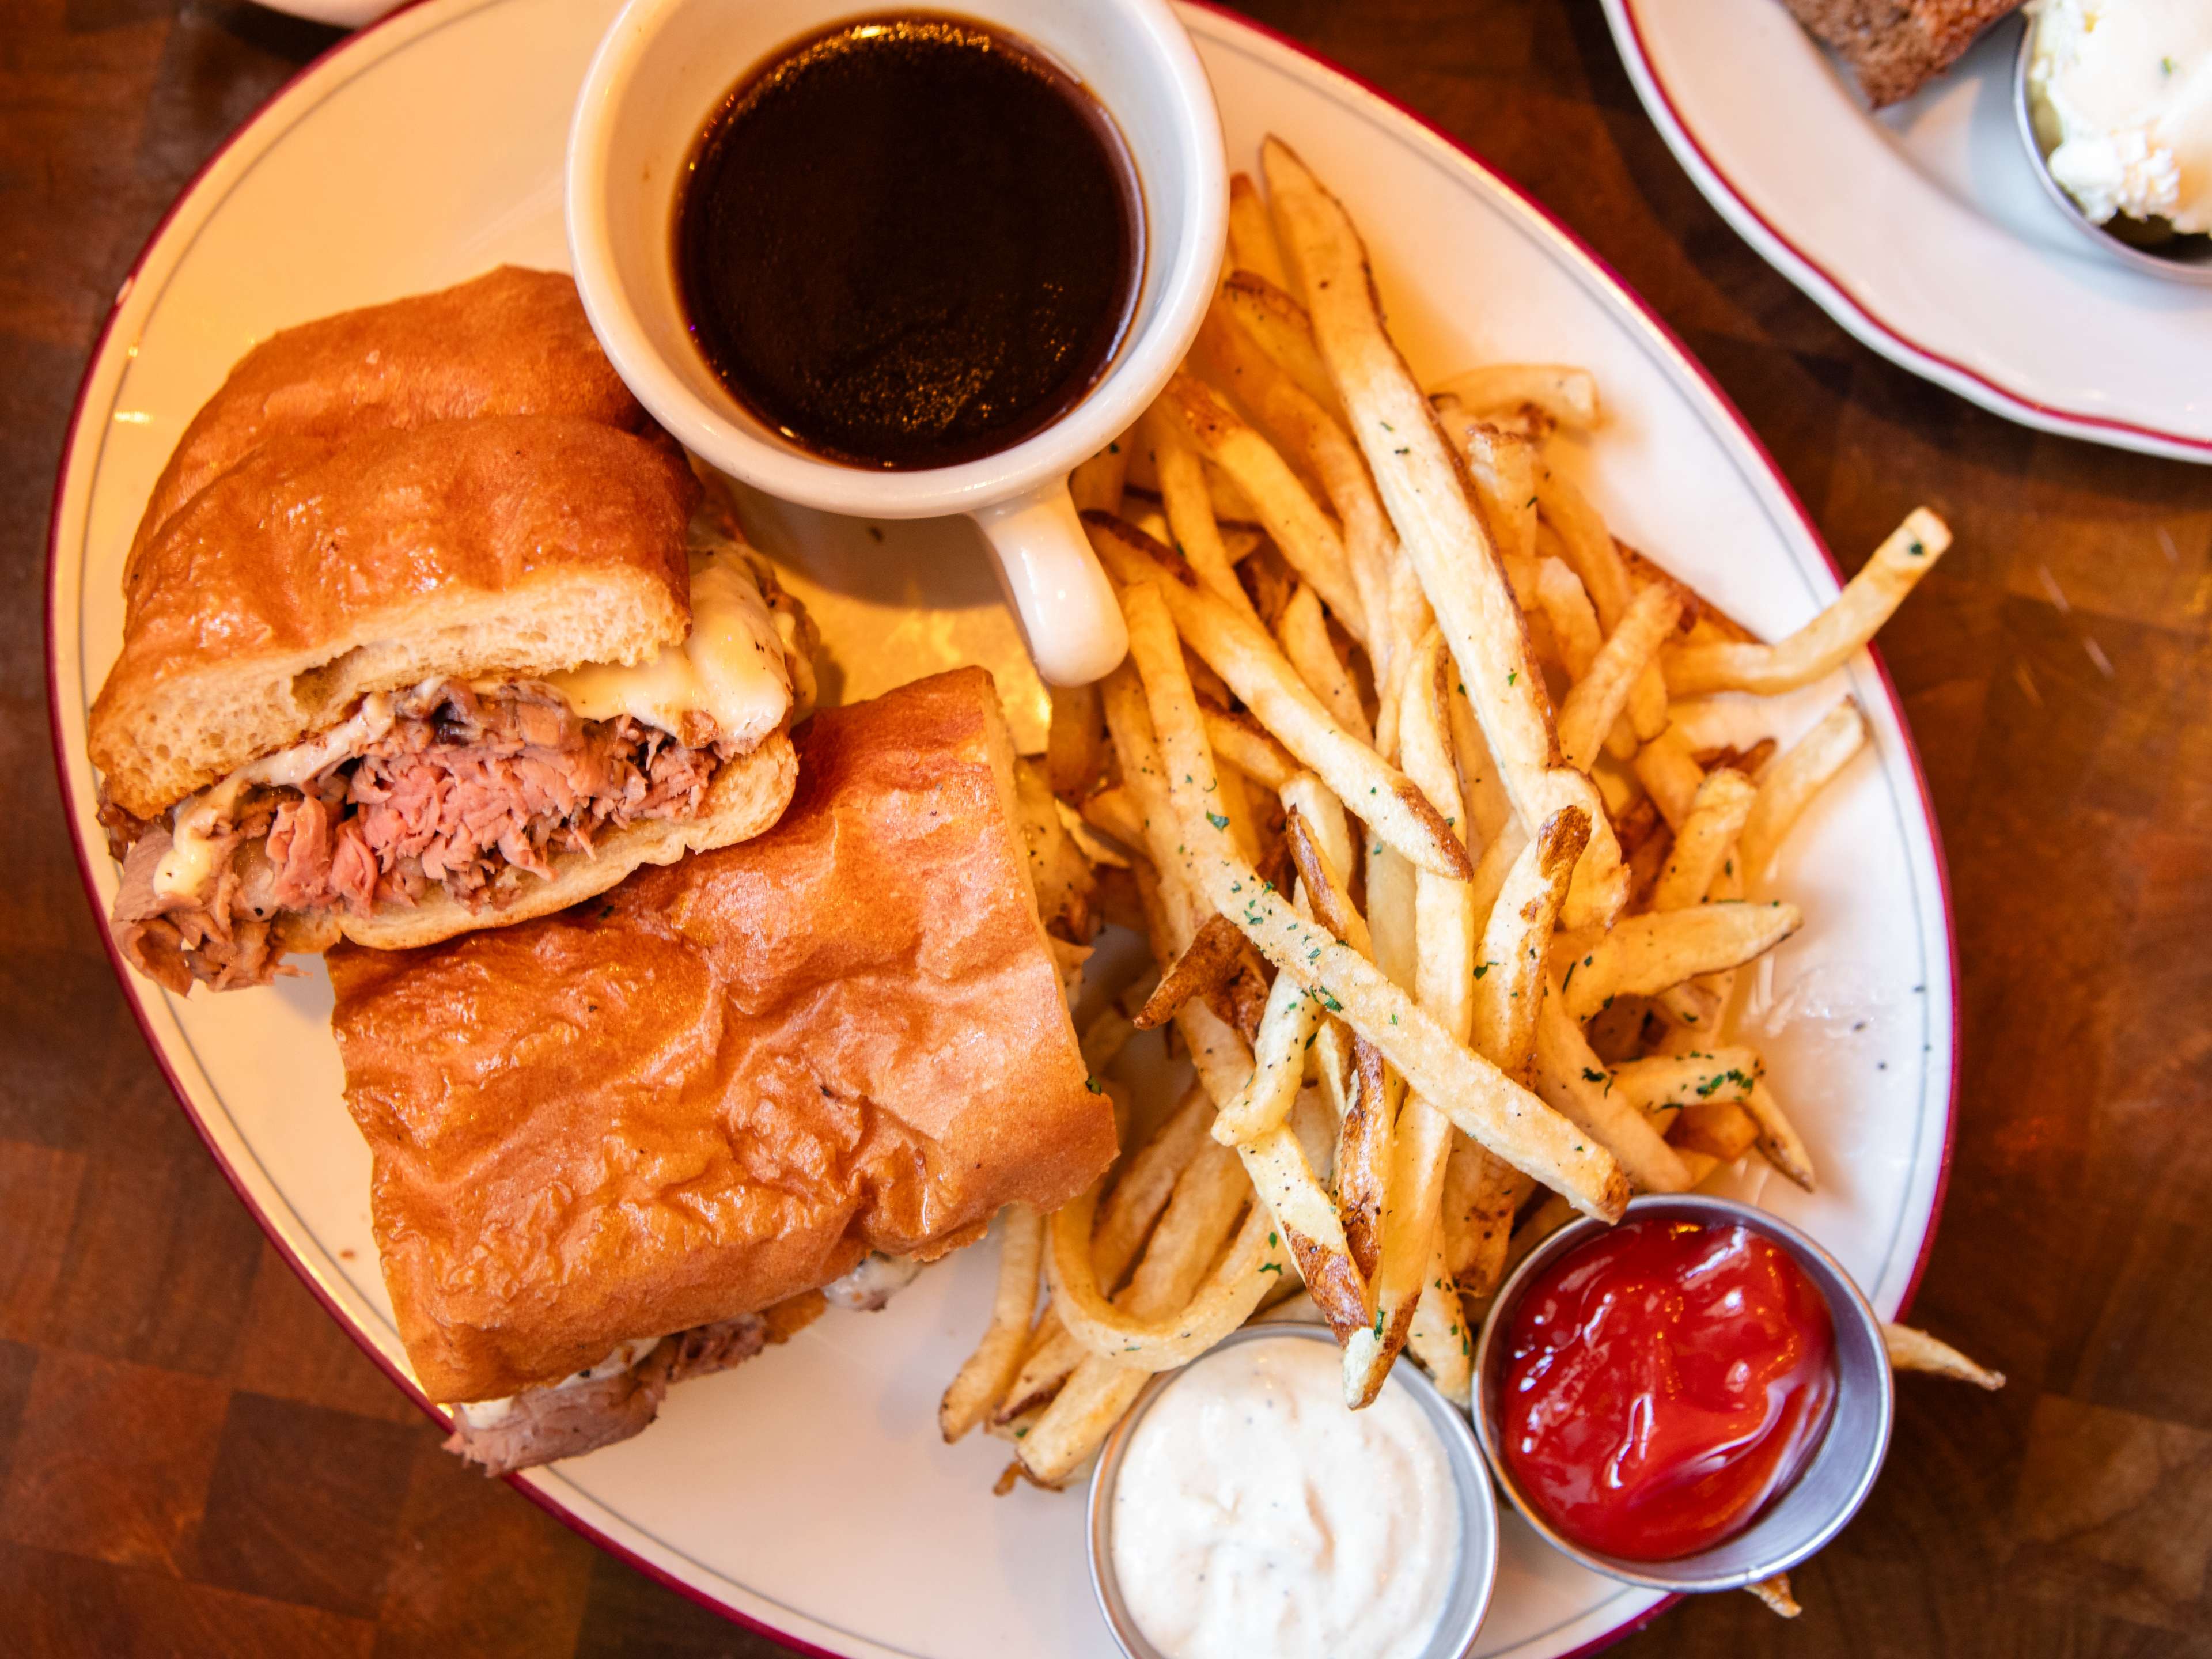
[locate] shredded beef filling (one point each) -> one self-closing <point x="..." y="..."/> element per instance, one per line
<point x="463" y="786"/>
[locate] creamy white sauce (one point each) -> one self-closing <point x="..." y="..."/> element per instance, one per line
<point x="1254" y="1514"/>
<point x="2125" y="89"/>
<point x="732" y="665"/>
<point x="872" y="1283"/>
<point x="483" y="1414"/>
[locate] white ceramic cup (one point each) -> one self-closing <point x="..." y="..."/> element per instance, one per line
<point x="664" y="68"/>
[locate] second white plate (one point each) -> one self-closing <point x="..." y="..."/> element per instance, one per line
<point x="1923" y="230"/>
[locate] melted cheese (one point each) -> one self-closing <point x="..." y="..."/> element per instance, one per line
<point x="200" y="821"/>
<point x="730" y="666"/>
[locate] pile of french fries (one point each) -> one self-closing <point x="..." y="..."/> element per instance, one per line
<point x="1448" y="911"/>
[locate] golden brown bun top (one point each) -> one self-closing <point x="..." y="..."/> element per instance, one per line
<point x="719" y="1084"/>
<point x="510" y="342"/>
<point x="451" y="548"/>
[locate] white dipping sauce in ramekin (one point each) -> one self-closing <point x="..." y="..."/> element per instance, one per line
<point x="1254" y="1514"/>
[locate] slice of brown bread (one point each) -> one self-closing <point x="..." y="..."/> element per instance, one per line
<point x="1897" y="47"/>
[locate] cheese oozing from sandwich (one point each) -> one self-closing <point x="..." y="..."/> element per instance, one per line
<point x="732" y="666"/>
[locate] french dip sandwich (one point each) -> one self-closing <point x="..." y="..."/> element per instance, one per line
<point x="426" y="631"/>
<point x="630" y="1143"/>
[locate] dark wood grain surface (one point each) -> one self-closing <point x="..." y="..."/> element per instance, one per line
<point x="195" y="1459"/>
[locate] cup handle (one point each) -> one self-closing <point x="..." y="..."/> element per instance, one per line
<point x="1069" y="617"/>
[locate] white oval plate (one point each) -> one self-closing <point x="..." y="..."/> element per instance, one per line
<point x="808" y="1493"/>
<point x="1923" y="229"/>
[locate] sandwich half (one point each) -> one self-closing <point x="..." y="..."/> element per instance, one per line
<point x="426" y="631"/>
<point x="622" y="1144"/>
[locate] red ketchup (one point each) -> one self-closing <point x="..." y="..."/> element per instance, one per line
<point x="1661" y="1384"/>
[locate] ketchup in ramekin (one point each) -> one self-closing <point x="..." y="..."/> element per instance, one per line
<point x="1662" y="1383"/>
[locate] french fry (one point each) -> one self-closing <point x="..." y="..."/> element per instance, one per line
<point x="1642" y="955"/>
<point x="1158" y="1332"/>
<point x="1475" y="1095"/>
<point x="1831" y="638"/>
<point x="1271" y="315"/>
<point x="1115" y="812"/>
<point x="1251" y="236"/>
<point x="1287" y="1029"/>
<point x="1103" y="1037"/>
<point x="1575" y="1083"/>
<point x="1663" y="1080"/>
<point x="1145" y="781"/>
<point x="1778" y="1138"/>
<point x="1444" y="934"/>
<point x="1601" y="697"/>
<point x="1074" y="741"/>
<point x="1696" y="1005"/>
<point x="1721" y="1129"/>
<point x="1242" y="742"/>
<point x="1508" y="983"/>
<point x="1214" y="959"/>
<point x="1300" y="530"/>
<point x="1587" y="545"/>
<point x="1911" y="1350"/>
<point x="1363" y="1141"/>
<point x="1489" y="807"/>
<point x="1670" y="774"/>
<point x="1282" y="1175"/>
<point x="1598" y="559"/>
<point x="1189" y="508"/>
<point x="1567" y="394"/>
<point x="1304" y="633"/>
<point x="1793" y="778"/>
<point x="1440" y="1336"/>
<point x="980" y="1382"/>
<point x="1566" y="605"/>
<point x="1774" y="1590"/>
<point x="1306" y="427"/>
<point x="1248" y="660"/>
<point x="1705" y="840"/>
<point x="1502" y="467"/>
<point x="1423" y="485"/>
<point x="1481" y="1194"/>
<point x="1097" y="484"/>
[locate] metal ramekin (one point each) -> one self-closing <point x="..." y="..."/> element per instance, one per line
<point x="2191" y="259"/>
<point x="1829" y="1490"/>
<point x="1470" y="1597"/>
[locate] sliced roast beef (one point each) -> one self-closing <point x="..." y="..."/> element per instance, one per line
<point x="541" y="1426"/>
<point x="461" y="786"/>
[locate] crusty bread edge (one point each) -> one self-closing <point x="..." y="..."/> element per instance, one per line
<point x="747" y="797"/>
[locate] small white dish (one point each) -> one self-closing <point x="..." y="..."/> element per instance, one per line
<point x="1923" y="229"/>
<point x="663" y="69"/>
<point x="1476" y="1575"/>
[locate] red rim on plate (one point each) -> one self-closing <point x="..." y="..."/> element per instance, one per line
<point x="544" y="1500"/>
<point x="1836" y="297"/>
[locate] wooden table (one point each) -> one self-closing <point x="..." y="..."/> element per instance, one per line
<point x="194" y="1459"/>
